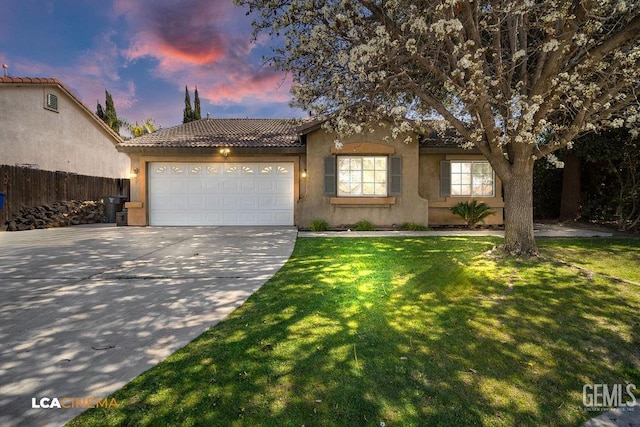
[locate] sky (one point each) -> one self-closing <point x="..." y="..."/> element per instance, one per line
<point x="144" y="52"/>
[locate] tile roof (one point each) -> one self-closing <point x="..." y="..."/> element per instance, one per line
<point x="33" y="80"/>
<point x="212" y="132"/>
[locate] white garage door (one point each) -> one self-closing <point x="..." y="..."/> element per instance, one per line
<point x="220" y="193"/>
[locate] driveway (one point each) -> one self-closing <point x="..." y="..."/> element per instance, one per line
<point x="84" y="310"/>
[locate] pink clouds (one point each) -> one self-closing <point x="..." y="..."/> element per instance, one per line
<point x="188" y="32"/>
<point x="145" y="52"/>
<point x="207" y="44"/>
<point x="268" y="87"/>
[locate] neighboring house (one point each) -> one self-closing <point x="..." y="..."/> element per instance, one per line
<point x="43" y="125"/>
<point x="275" y="172"/>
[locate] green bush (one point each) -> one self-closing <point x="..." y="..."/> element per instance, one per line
<point x="319" y="225"/>
<point x="364" y="225"/>
<point x="412" y="226"/>
<point x="472" y="212"/>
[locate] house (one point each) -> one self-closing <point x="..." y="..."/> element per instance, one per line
<point x="278" y="172"/>
<point x="44" y="125"/>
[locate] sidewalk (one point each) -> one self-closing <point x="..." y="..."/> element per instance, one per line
<point x="616" y="418"/>
<point x="540" y="230"/>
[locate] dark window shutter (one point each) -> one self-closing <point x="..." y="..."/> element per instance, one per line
<point x="395" y="176"/>
<point x="330" y="182"/>
<point x="445" y="178"/>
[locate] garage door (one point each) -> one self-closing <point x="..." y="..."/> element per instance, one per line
<point x="220" y="193"/>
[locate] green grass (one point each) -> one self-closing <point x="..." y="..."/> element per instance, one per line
<point x="405" y="331"/>
<point x="614" y="257"/>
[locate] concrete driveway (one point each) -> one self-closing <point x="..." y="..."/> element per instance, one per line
<point x="83" y="310"/>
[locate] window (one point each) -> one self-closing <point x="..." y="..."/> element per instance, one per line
<point x="362" y="176"/>
<point x="471" y="179"/>
<point x="51" y="102"/>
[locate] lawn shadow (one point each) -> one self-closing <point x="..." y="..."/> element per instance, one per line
<point x="522" y="338"/>
<point x="397" y="331"/>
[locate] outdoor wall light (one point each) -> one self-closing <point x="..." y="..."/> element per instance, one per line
<point x="225" y="151"/>
<point x="304" y="173"/>
<point x="134" y="173"/>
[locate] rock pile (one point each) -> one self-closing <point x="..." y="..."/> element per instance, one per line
<point x="58" y="214"/>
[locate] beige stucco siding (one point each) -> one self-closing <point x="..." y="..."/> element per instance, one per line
<point x="440" y="207"/>
<point x="407" y="207"/>
<point x="68" y="139"/>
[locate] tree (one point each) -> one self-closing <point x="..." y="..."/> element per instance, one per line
<point x="190" y="114"/>
<point x="517" y="79"/>
<point x="187" y="115"/>
<point x="613" y="173"/>
<point x="571" y="183"/>
<point x="108" y="114"/>
<point x="111" y="117"/>
<point x="100" y="112"/>
<point x="137" y="130"/>
<point x="196" y="106"/>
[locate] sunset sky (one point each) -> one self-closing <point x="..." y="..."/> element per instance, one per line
<point x="145" y="52"/>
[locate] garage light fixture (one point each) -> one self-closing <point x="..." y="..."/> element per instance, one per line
<point x="225" y="151"/>
<point x="304" y="173"/>
<point x="134" y="173"/>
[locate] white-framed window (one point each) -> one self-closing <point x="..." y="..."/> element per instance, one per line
<point x="472" y="179"/>
<point x="362" y="176"/>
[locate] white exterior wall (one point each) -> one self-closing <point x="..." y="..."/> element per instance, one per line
<point x="68" y="140"/>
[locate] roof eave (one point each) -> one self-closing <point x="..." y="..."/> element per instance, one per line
<point x="448" y="150"/>
<point x="210" y="150"/>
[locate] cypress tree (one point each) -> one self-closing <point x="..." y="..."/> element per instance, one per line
<point x="110" y="113"/>
<point x="196" y="103"/>
<point x="188" y="112"/>
<point x="100" y="113"/>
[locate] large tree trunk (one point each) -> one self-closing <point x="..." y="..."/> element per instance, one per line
<point x="518" y="212"/>
<point x="571" y="177"/>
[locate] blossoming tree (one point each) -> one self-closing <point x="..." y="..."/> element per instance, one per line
<point x="518" y="79"/>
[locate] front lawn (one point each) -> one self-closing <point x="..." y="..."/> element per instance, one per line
<point x="404" y="331"/>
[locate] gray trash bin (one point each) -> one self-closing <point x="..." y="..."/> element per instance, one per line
<point x="121" y="218"/>
<point x="112" y="205"/>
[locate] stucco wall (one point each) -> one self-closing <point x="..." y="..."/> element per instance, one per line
<point x="66" y="140"/>
<point x="440" y="207"/>
<point x="408" y="207"/>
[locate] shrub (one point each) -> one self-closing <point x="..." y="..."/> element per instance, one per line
<point x="319" y="225"/>
<point x="364" y="225"/>
<point x="472" y="212"/>
<point x="412" y="226"/>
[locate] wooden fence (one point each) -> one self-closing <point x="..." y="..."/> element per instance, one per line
<point x="25" y="187"/>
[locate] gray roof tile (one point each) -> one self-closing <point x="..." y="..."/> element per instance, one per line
<point x="210" y="132"/>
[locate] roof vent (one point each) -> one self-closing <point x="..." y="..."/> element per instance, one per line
<point x="52" y="102"/>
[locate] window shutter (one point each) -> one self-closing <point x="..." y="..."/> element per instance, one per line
<point x="445" y="178"/>
<point x="395" y="176"/>
<point x="330" y="182"/>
